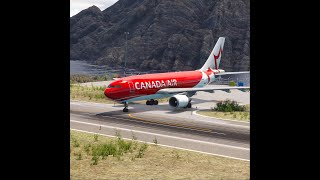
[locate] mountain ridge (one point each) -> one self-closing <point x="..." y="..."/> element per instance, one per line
<point x="164" y="35"/>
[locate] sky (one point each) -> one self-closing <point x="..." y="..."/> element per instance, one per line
<point x="78" y="5"/>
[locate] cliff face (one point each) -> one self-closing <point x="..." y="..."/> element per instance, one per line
<point x="164" y="35"/>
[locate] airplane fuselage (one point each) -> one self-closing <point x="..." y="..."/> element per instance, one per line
<point x="144" y="87"/>
<point x="156" y="86"/>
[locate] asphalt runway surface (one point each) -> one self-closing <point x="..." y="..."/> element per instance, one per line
<point x="178" y="128"/>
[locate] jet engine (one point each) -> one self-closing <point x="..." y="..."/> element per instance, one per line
<point x="179" y="101"/>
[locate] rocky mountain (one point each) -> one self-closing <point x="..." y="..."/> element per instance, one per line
<point x="168" y="35"/>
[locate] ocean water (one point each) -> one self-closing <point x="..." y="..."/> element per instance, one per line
<point x="82" y="67"/>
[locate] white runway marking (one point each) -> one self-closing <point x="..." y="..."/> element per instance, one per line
<point x="185" y="139"/>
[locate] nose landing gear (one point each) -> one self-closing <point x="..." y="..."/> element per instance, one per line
<point x="125" y="109"/>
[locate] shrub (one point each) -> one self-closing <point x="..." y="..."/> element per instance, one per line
<point x="76" y="143"/>
<point x="232" y="83"/>
<point x="95" y="136"/>
<point x="229" y="106"/>
<point x="115" y="75"/>
<point x="87" y="148"/>
<point x="99" y="96"/>
<point x="246" y="114"/>
<point x="115" y="148"/>
<point x="95" y="160"/>
<point x="124" y="146"/>
<point x="141" y="150"/>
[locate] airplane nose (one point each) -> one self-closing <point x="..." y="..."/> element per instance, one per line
<point x="107" y="92"/>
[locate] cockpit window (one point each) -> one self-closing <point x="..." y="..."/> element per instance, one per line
<point x="111" y="86"/>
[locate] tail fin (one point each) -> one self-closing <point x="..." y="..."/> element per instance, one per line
<point x="213" y="60"/>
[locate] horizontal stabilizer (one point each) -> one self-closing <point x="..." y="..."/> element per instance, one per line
<point x="228" y="73"/>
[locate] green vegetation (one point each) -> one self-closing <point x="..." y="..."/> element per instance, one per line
<point x="75" y="142"/>
<point x="228" y="110"/>
<point x="83" y="78"/>
<point x="141" y="150"/>
<point x="115" y="158"/>
<point x="95" y="136"/>
<point x="232" y="83"/>
<point x="229" y="106"/>
<point x="87" y="148"/>
<point x="87" y="93"/>
<point x="96" y="94"/>
<point x="101" y="150"/>
<point x="241" y="116"/>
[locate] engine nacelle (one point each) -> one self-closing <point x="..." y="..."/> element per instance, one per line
<point x="179" y="101"/>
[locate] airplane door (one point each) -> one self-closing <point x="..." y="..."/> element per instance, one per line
<point x="131" y="86"/>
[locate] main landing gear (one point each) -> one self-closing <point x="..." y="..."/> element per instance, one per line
<point x="125" y="109"/>
<point x="152" y="102"/>
<point x="189" y="105"/>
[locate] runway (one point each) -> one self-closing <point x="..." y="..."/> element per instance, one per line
<point x="178" y="128"/>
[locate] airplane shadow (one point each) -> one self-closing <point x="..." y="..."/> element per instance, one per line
<point x="140" y="108"/>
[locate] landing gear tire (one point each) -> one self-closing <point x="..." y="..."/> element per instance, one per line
<point x="125" y="109"/>
<point x="152" y="102"/>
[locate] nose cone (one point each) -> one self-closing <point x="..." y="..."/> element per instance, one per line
<point x="107" y="92"/>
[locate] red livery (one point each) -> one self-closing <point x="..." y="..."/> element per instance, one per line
<point x="179" y="86"/>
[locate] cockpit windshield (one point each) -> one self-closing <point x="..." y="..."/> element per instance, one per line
<point x="112" y="86"/>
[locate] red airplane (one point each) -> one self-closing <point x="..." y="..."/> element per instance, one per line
<point x="179" y="86"/>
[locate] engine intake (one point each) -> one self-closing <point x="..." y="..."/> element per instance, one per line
<point x="179" y="101"/>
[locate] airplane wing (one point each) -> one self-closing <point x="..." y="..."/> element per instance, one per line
<point x="208" y="89"/>
<point x="227" y="73"/>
